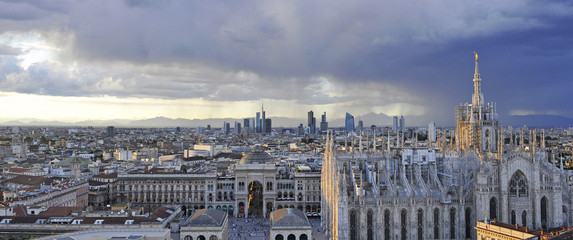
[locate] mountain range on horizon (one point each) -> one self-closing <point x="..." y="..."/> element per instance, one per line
<point x="545" y="121"/>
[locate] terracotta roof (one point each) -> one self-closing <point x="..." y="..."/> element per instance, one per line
<point x="18" y="169"/>
<point x="161" y="213"/>
<point x="114" y="220"/>
<point x="27" y="180"/>
<point x="58" y="211"/>
<point x="95" y="183"/>
<point x="196" y="158"/>
<point x="111" y="175"/>
<point x="229" y="155"/>
<point x="20" y="211"/>
<point x="26" y="219"/>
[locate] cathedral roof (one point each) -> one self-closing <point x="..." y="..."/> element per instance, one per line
<point x="288" y="217"/>
<point x="256" y="156"/>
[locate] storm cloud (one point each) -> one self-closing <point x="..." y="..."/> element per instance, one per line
<point x="363" y="55"/>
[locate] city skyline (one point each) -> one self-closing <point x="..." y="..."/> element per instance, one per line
<point x="145" y="59"/>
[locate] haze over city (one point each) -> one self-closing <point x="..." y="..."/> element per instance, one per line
<point x="92" y="60"/>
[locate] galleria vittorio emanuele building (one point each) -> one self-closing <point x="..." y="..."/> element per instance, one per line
<point x="440" y="191"/>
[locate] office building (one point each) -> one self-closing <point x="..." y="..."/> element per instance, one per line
<point x="226" y="127"/>
<point x="268" y="125"/>
<point x="349" y="123"/>
<point x="432" y="132"/>
<point x="258" y="123"/>
<point x="247" y="124"/>
<point x="311" y="122"/>
<point x="110" y="131"/>
<point x="237" y="129"/>
<point x="323" y="124"/>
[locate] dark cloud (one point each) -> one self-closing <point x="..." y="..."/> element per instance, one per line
<point x="235" y="51"/>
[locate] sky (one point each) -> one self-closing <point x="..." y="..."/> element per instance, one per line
<point x="97" y="60"/>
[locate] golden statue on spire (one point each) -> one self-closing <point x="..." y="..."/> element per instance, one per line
<point x="476" y="55"/>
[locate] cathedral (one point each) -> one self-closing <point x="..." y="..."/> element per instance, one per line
<point x="480" y="171"/>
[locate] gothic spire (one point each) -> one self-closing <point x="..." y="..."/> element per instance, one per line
<point x="477" y="99"/>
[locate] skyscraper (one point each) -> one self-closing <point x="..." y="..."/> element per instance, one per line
<point x="360" y="125"/>
<point x="110" y="131"/>
<point x="323" y="124"/>
<point x="258" y="122"/>
<point x="268" y="125"/>
<point x="226" y="127"/>
<point x="247" y="123"/>
<point x="432" y="132"/>
<point x="349" y="122"/>
<point x="311" y="122"/>
<point x="395" y="126"/>
<point x="263" y="120"/>
<point x="402" y="123"/>
<point x="237" y="129"/>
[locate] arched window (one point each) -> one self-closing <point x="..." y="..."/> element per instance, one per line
<point x="303" y="237"/>
<point x="518" y="185"/>
<point x="524" y="218"/>
<point x="201" y="237"/>
<point x="493" y="208"/>
<point x="279" y="237"/>
<point x="452" y="223"/>
<point x="513" y="220"/>
<point x="369" y="225"/>
<point x="386" y="224"/>
<point x="403" y="225"/>
<point x="468" y="222"/>
<point x="436" y="223"/>
<point x="420" y="224"/>
<point x="188" y="238"/>
<point x="213" y="237"/>
<point x="353" y="227"/>
<point x="565" y="216"/>
<point x="544" y="213"/>
<point x="291" y="237"/>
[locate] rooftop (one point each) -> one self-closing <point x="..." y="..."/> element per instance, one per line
<point x="207" y="217"/>
<point x="288" y="217"/>
<point x="257" y="156"/>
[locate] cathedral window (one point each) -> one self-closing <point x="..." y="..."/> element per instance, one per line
<point x="544" y="212"/>
<point x="518" y="185"/>
<point x="513" y="220"/>
<point x="403" y="224"/>
<point x="370" y="233"/>
<point x="493" y="208"/>
<point x="452" y="223"/>
<point x="420" y="224"/>
<point x="386" y="224"/>
<point x="468" y="223"/>
<point x="436" y="223"/>
<point x="565" y="215"/>
<point x="524" y="218"/>
<point x="353" y="227"/>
